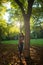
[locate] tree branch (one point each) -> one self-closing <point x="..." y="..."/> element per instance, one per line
<point x="21" y="6"/>
<point x="30" y="3"/>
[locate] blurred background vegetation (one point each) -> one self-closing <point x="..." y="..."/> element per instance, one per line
<point x="11" y="21"/>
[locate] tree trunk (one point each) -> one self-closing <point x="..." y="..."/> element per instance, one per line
<point x="27" y="36"/>
<point x="27" y="40"/>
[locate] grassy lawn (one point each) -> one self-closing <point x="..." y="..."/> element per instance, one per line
<point x="10" y="42"/>
<point x="36" y="42"/>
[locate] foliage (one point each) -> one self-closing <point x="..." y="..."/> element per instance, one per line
<point x="10" y="30"/>
<point x="2" y="29"/>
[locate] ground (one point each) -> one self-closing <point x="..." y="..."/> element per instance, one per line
<point x="9" y="55"/>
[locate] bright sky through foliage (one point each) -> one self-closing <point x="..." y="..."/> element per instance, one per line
<point x="6" y="16"/>
<point x="8" y="6"/>
<point x="17" y="23"/>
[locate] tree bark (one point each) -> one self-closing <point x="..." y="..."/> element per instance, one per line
<point x="27" y="36"/>
<point x="27" y="32"/>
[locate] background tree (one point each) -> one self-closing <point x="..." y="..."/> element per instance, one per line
<point x="2" y="29"/>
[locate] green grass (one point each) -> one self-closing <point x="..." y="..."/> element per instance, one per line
<point x="36" y="42"/>
<point x="10" y="42"/>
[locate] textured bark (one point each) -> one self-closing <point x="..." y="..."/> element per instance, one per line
<point x="27" y="36"/>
